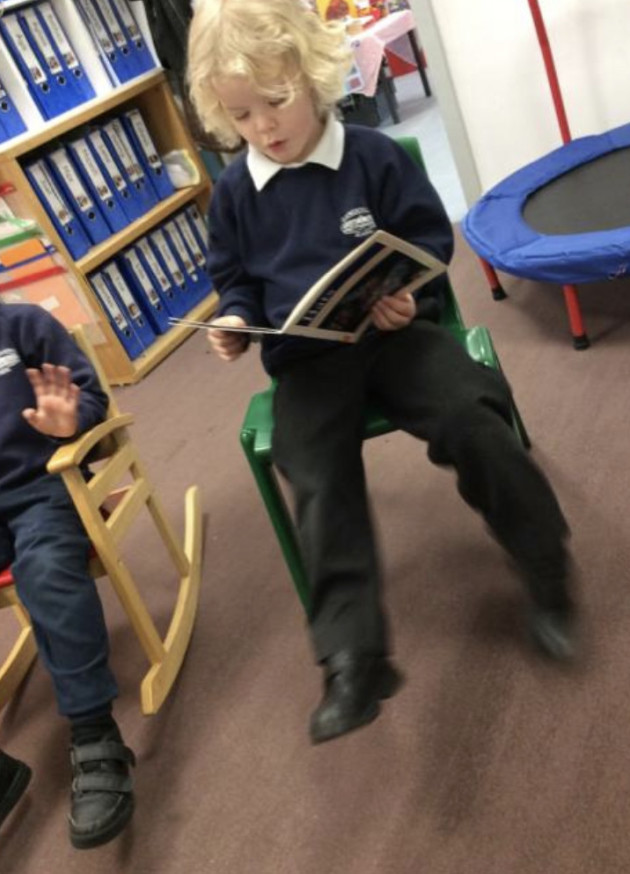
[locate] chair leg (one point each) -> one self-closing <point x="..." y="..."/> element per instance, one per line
<point x="166" y="656"/>
<point x="161" y="676"/>
<point x="480" y="347"/>
<point x="519" y="427"/>
<point x="279" y="515"/>
<point x="20" y="658"/>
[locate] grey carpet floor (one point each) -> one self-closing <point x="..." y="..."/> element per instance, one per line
<point x="489" y="761"/>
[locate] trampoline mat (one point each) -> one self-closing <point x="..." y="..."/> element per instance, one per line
<point x="592" y="197"/>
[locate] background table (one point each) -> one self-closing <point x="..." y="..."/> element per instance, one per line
<point x="369" y="53"/>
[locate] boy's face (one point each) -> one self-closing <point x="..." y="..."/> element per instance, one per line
<point x="286" y="131"/>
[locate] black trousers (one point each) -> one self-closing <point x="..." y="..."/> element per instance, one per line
<point x="427" y="385"/>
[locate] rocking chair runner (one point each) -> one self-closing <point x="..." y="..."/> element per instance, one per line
<point x="110" y="444"/>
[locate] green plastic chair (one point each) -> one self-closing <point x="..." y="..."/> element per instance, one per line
<point x="257" y="428"/>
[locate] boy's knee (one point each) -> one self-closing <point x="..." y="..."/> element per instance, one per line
<point x="471" y="429"/>
<point x="39" y="569"/>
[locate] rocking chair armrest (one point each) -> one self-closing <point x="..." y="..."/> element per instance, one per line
<point x="73" y="454"/>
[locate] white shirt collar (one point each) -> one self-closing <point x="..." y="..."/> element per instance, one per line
<point x="328" y="152"/>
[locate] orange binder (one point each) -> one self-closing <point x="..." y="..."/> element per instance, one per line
<point x="48" y="284"/>
<point x="24" y="251"/>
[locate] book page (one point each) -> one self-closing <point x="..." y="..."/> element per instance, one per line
<point x="395" y="272"/>
<point x="339" y="305"/>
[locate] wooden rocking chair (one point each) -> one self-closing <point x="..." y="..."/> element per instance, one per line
<point x="110" y="444"/>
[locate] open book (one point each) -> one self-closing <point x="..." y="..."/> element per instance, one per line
<point x="338" y="305"/>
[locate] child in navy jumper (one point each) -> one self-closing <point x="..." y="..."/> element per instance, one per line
<point x="49" y="393"/>
<point x="307" y="191"/>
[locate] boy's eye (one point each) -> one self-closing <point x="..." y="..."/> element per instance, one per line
<point x="240" y="116"/>
<point x="277" y="101"/>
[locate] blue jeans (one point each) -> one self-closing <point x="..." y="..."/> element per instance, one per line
<point x="42" y="537"/>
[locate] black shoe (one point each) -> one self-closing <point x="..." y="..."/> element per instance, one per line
<point x="354" y="685"/>
<point x="14" y="778"/>
<point x="102" y="797"/>
<point x="553" y="632"/>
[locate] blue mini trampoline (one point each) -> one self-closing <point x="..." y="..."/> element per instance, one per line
<point x="564" y="218"/>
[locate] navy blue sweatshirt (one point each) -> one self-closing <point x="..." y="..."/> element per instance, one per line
<point x="268" y="247"/>
<point x="30" y="337"/>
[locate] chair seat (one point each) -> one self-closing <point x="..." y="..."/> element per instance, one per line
<point x="259" y="421"/>
<point x="257" y="432"/>
<point x="259" y="417"/>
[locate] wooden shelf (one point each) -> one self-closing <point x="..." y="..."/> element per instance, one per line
<point x="30" y="140"/>
<point x="151" y="94"/>
<point x="110" y="247"/>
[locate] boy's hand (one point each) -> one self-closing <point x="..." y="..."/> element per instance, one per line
<point x="57" y="399"/>
<point x="394" y="311"/>
<point x="228" y="344"/>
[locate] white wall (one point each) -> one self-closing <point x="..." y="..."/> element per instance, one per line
<point x="491" y="84"/>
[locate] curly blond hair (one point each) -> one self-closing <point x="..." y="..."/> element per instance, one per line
<point x="279" y="45"/>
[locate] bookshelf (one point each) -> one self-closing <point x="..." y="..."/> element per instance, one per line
<point x="152" y="95"/>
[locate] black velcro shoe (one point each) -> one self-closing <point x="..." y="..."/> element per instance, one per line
<point x="102" y="792"/>
<point x="355" y="683"/>
<point x="14" y="778"/>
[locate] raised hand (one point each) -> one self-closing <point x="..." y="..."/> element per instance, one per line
<point x="57" y="399"/>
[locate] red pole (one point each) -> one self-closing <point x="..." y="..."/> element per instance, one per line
<point x="550" y="67"/>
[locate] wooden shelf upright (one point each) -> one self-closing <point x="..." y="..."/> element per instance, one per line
<point x="152" y="95"/>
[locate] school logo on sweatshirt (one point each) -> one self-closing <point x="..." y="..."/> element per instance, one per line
<point x="358" y="222"/>
<point x="8" y="359"/>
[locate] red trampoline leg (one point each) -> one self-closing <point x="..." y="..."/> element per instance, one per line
<point x="493" y="281"/>
<point x="580" y="340"/>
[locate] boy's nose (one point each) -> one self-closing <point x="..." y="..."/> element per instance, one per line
<point x="265" y="123"/>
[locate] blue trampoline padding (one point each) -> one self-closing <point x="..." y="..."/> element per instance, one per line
<point x="496" y="230"/>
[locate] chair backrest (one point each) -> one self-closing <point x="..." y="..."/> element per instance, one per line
<point x="80" y="337"/>
<point x="451" y="316"/>
<point x="107" y="503"/>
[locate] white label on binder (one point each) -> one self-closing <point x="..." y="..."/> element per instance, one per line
<point x="63" y="164"/>
<point x="142" y="132"/>
<point x="180" y="247"/>
<point x="124" y="150"/>
<point x="110" y="165"/>
<point x="154" y="264"/>
<point x="187" y="234"/>
<point x="123" y="290"/>
<point x="110" y="304"/>
<point x="126" y="16"/>
<point x="164" y="249"/>
<point x="96" y="26"/>
<point x="50" y="192"/>
<point x="57" y="32"/>
<point x="92" y="169"/>
<point x="141" y="275"/>
<point x="112" y="23"/>
<point x="199" y="223"/>
<point x="42" y="42"/>
<point x="14" y="28"/>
